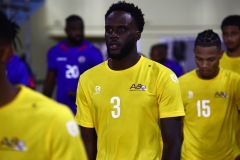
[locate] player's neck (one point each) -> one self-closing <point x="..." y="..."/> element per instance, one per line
<point x="72" y="44"/>
<point x="124" y="63"/>
<point x="208" y="77"/>
<point x="234" y="53"/>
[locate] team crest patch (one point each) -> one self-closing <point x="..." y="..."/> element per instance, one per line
<point x="81" y="59"/>
<point x="12" y="144"/>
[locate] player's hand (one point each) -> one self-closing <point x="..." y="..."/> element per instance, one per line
<point x="238" y="157"/>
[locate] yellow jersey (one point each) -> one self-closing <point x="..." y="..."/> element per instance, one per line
<point x="125" y="107"/>
<point x="231" y="63"/>
<point x="34" y="127"/>
<point x="211" y="119"/>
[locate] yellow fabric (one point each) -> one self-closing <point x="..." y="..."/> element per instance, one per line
<point x="125" y="106"/>
<point x="34" y="127"/>
<point x="211" y="119"/>
<point x="230" y="63"/>
<point x="233" y="64"/>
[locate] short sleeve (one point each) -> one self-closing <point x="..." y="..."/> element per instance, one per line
<point x="83" y="116"/>
<point x="169" y="96"/>
<point x="64" y="138"/>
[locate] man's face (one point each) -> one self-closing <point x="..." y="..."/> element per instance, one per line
<point x="231" y="37"/>
<point x="158" y="54"/>
<point x="6" y="51"/>
<point x="121" y="34"/>
<point x="207" y="60"/>
<point x="74" y="31"/>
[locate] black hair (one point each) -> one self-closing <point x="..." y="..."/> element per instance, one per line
<point x="231" y="20"/>
<point x="72" y="18"/>
<point x="8" y="29"/>
<point x="208" y="38"/>
<point x="159" y="46"/>
<point x="135" y="12"/>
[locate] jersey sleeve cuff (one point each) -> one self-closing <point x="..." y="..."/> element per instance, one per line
<point x="172" y="114"/>
<point x="84" y="124"/>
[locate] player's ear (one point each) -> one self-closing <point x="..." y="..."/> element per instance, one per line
<point x="6" y="51"/>
<point x="138" y="35"/>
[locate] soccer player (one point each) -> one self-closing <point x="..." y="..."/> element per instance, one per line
<point x="158" y="53"/>
<point x="67" y="60"/>
<point x="128" y="103"/>
<point x="231" y="36"/>
<point x="211" y="98"/>
<point x="32" y="126"/>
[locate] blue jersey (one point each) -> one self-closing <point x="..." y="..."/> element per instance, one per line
<point x="69" y="63"/>
<point x="18" y="72"/>
<point x="174" y="66"/>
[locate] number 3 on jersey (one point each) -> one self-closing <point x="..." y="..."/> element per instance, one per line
<point x="203" y="108"/>
<point x="116" y="102"/>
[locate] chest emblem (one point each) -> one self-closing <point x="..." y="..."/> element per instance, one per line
<point x="81" y="59"/>
<point x="138" y="87"/>
<point x="220" y="95"/>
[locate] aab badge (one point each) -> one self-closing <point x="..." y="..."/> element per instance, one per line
<point x="138" y="87"/>
<point x="221" y="95"/>
<point x="12" y="144"/>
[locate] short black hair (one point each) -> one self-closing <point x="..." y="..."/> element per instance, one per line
<point x="135" y="12"/>
<point x="72" y="18"/>
<point x="231" y="20"/>
<point x="159" y="46"/>
<point x="208" y="38"/>
<point x="8" y="29"/>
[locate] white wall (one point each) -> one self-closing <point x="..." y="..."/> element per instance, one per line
<point x="163" y="18"/>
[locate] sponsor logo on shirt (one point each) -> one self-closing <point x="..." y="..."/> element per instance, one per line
<point x="190" y="94"/>
<point x="174" y="78"/>
<point x="97" y="89"/>
<point x="138" y="87"/>
<point x="61" y="58"/>
<point x="221" y="95"/>
<point x="12" y="144"/>
<point x="72" y="128"/>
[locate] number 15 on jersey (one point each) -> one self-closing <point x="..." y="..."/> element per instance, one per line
<point x="203" y="108"/>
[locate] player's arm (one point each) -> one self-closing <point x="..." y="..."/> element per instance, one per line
<point x="89" y="137"/>
<point x="171" y="129"/>
<point x="49" y="83"/>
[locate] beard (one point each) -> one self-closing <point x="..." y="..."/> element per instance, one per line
<point x="125" y="50"/>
